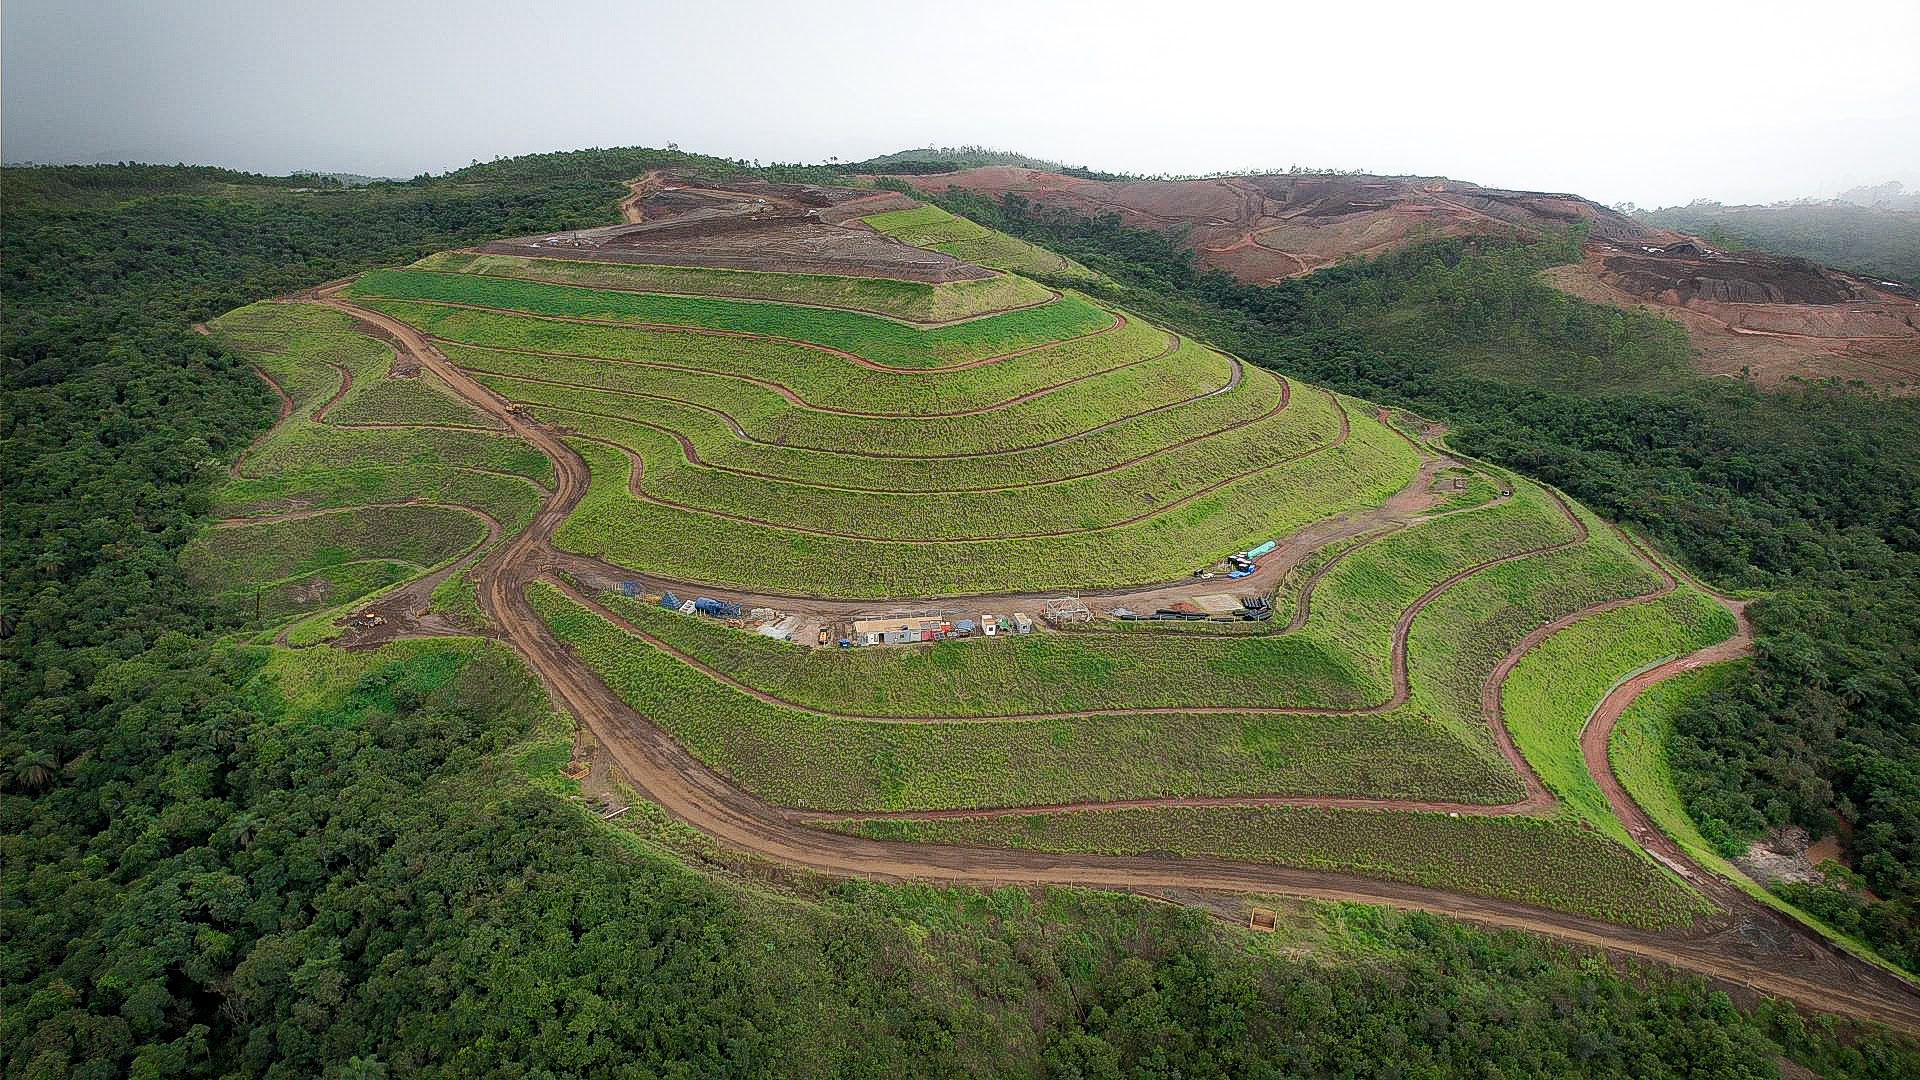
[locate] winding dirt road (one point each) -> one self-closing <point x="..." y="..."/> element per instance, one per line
<point x="1748" y="945"/>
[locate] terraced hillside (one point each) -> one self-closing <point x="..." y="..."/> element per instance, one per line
<point x="538" y="446"/>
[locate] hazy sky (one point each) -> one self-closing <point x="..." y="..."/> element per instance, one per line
<point x="1651" y="102"/>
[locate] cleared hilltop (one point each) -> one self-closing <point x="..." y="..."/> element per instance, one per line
<point x="1771" y="316"/>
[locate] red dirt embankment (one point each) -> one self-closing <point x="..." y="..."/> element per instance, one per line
<point x="1770" y="316"/>
<point x="678" y="219"/>
<point x="1265" y="227"/>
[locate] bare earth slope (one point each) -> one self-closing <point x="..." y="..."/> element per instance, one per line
<point x="1774" y="316"/>
<point x="748" y="225"/>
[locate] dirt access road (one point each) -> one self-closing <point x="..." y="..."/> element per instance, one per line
<point x="1749" y="945"/>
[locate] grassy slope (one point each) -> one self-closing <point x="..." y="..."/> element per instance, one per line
<point x="881" y="340"/>
<point x="933" y="228"/>
<point x="1350" y="614"/>
<point x="304" y="465"/>
<point x="248" y="555"/>
<point x="818" y="377"/>
<point x="802" y="954"/>
<point x="1556" y="687"/>
<point x="1458" y="640"/>
<point x="1282" y="448"/>
<point x="299" y="346"/>
<point x="1047" y="672"/>
<point x="1526" y="859"/>
<point x="766" y="417"/>
<point x="799" y="759"/>
<point x="1130" y="440"/>
<point x="1638" y="753"/>
<point x="911" y="300"/>
<point x="701" y="547"/>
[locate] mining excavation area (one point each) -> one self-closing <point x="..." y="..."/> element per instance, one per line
<point x="853" y="546"/>
<point x="1766" y="316"/>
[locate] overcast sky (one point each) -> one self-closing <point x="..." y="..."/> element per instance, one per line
<point x="1656" y="103"/>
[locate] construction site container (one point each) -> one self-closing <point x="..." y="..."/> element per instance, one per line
<point x="1022" y="623"/>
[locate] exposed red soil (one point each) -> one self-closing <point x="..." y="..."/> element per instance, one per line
<point x="1749" y="945"/>
<point x="1267" y="227"/>
<point x="1874" y="338"/>
<point x="679" y="219"/>
<point x="1773" y="316"/>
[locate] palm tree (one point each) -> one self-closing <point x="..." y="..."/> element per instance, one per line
<point x="362" y="1068"/>
<point x="33" y="770"/>
<point x="242" y="828"/>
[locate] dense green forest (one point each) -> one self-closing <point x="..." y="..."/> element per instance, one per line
<point x="222" y="861"/>
<point x="1865" y="240"/>
<point x="1811" y="493"/>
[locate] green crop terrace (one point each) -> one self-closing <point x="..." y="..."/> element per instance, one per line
<point x="752" y="443"/>
<point x="932" y="227"/>
<point x="852" y="438"/>
<point x="370" y="480"/>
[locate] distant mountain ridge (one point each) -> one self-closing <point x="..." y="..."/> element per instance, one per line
<point x="1892" y="195"/>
